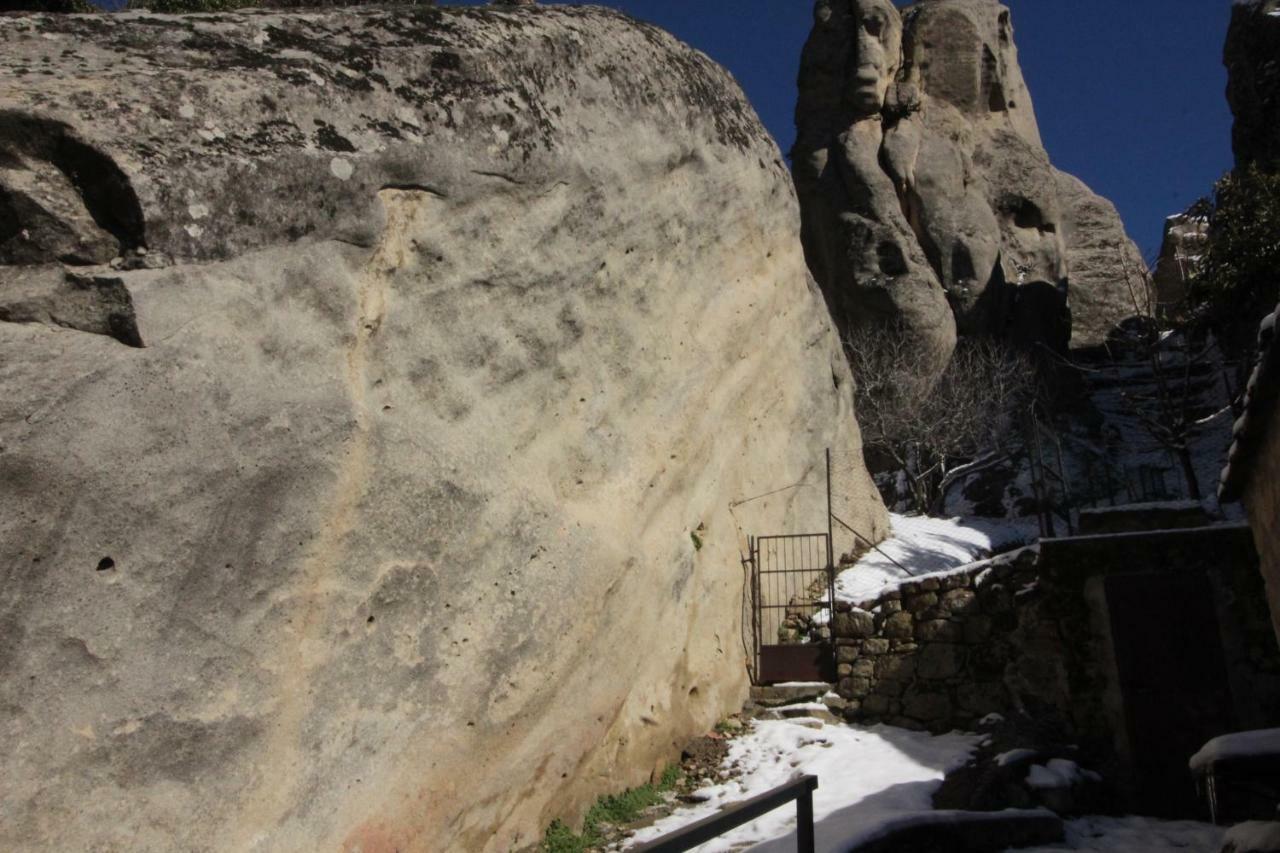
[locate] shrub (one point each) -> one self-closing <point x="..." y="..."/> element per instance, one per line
<point x="615" y="810"/>
<point x="1237" y="281"/>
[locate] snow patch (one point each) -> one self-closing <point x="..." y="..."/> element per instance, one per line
<point x="867" y="778"/>
<point x="1013" y="756"/>
<point x="1136" y="835"/>
<point x="1253" y="835"/>
<point x="925" y="547"/>
<point x="1059" y="773"/>
<point x="1238" y="745"/>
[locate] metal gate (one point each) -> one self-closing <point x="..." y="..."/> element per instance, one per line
<point x="793" y="585"/>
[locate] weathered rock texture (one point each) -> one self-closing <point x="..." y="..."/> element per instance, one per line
<point x="928" y="198"/>
<point x="350" y="505"/>
<point x="1253" y="81"/>
<point x="1106" y="271"/>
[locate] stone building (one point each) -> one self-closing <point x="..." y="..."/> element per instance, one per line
<point x="1185" y="237"/>
<point x="1253" y="468"/>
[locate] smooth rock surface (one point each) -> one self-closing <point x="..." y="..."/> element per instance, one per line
<point x="451" y="329"/>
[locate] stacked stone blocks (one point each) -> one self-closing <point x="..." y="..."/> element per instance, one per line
<point x="935" y="653"/>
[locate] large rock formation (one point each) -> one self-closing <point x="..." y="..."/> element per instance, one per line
<point x="1106" y="271"/>
<point x="928" y="198"/>
<point x="1253" y="81"/>
<point x="376" y="387"/>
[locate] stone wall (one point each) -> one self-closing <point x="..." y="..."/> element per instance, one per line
<point x="1262" y="499"/>
<point x="936" y="652"/>
<point x="1028" y="633"/>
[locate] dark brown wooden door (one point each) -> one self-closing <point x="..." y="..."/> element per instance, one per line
<point x="1173" y="681"/>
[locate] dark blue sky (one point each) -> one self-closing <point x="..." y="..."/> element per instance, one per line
<point x="1129" y="93"/>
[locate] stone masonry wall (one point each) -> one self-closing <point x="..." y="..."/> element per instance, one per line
<point x="1018" y="634"/>
<point x="937" y="653"/>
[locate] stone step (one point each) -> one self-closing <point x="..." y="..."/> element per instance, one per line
<point x="804" y="711"/>
<point x="775" y="695"/>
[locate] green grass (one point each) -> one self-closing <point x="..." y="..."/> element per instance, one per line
<point x="614" y="809"/>
<point x="562" y="839"/>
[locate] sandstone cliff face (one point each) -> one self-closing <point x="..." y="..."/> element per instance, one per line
<point x="1106" y="270"/>
<point x="1253" y="81"/>
<point x="935" y="205"/>
<point x="365" y="377"/>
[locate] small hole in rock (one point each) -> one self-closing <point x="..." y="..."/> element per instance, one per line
<point x="369" y="620"/>
<point x="106" y="564"/>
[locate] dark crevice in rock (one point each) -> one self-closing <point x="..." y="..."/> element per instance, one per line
<point x="1026" y="214"/>
<point x="417" y="188"/>
<point x="497" y="175"/>
<point x="890" y="259"/>
<point x="104" y="191"/>
<point x="992" y="85"/>
<point x="962" y="269"/>
<point x="95" y="304"/>
<point x="10" y="227"/>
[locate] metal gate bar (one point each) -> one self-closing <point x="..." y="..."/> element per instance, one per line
<point x="792" y="580"/>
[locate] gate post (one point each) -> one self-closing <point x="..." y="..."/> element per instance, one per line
<point x="831" y="574"/>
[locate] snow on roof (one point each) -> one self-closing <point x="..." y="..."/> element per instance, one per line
<point x="1260" y="397"/>
<point x="1238" y="745"/>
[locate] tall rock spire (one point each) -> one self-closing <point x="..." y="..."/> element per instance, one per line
<point x="936" y="207"/>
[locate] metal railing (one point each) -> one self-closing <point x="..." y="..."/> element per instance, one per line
<point x="801" y="790"/>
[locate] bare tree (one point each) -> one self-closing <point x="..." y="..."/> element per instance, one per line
<point x="1172" y="410"/>
<point x="938" y="432"/>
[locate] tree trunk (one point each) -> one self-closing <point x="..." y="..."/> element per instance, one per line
<point x="1189" y="473"/>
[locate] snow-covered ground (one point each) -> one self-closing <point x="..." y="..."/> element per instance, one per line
<point x="871" y="778"/>
<point x="866" y="776"/>
<point x="1136" y="835"/>
<point x="919" y="547"/>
